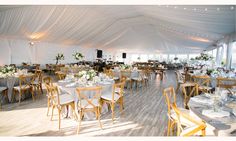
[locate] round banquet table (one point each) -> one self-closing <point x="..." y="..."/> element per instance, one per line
<point x="222" y="126"/>
<point x="70" y="88"/>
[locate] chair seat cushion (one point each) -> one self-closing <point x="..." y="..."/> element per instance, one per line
<point x="36" y="82"/>
<point x="116" y="78"/>
<point x="189" y="129"/>
<point x="65" y="99"/>
<point x="109" y="96"/>
<point x="137" y="79"/>
<point x="205" y="88"/>
<point x="2" y="88"/>
<point x="18" y="88"/>
<point x="183" y="121"/>
<point x="85" y="104"/>
<point x="117" y="90"/>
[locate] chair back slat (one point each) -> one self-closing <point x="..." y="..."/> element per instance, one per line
<point x="170" y="98"/>
<point x="84" y="94"/>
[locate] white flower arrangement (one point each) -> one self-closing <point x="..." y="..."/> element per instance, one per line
<point x="78" y="56"/>
<point x="88" y="75"/>
<point x="7" y="71"/>
<point x="204" y="57"/>
<point x="60" y="56"/>
<point x="124" y="67"/>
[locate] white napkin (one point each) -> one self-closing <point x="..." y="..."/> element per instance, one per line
<point x="203" y="100"/>
<point x="215" y="114"/>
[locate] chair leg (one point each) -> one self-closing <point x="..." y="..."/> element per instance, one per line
<point x="6" y="94"/>
<point x="96" y="113"/>
<point x="99" y="116"/>
<point x="32" y="92"/>
<point x="168" y="128"/>
<point x="59" y="115"/>
<point x="177" y="89"/>
<point x="48" y="106"/>
<point x="203" y="132"/>
<point x="112" y="111"/>
<point x="121" y="104"/>
<point x="41" y="88"/>
<point x="52" y="111"/>
<point x="81" y="115"/>
<point x="19" y="97"/>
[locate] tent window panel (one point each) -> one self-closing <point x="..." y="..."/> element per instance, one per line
<point x="214" y="51"/>
<point x="171" y="57"/>
<point x="182" y="57"/>
<point x="233" y="65"/>
<point x="143" y="57"/>
<point x="193" y="55"/>
<point x="164" y="57"/>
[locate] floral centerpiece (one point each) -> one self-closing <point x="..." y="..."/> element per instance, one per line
<point x="212" y="72"/>
<point x="60" y="56"/>
<point x="78" y="56"/>
<point x="88" y="75"/>
<point x="124" y="67"/>
<point x="204" y="57"/>
<point x="7" y="71"/>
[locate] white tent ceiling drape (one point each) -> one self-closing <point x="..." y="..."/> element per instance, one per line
<point x="156" y="29"/>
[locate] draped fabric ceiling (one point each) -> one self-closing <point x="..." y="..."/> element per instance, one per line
<point x="156" y="29"/>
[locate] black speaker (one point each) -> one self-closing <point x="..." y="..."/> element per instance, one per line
<point x="124" y="55"/>
<point x="99" y="53"/>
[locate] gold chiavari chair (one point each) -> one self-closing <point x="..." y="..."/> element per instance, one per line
<point x="37" y="82"/>
<point x="170" y="97"/>
<point x="59" y="101"/>
<point x="3" y="91"/>
<point x="89" y="104"/>
<point x="115" y="97"/>
<point x="189" y="90"/>
<point x="203" y="82"/>
<point x="227" y="83"/>
<point x="197" y="127"/>
<point x="24" y="85"/>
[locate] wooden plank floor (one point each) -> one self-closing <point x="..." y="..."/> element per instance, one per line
<point x="144" y="115"/>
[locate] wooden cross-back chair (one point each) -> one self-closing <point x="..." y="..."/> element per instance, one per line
<point x="189" y="90"/>
<point x="37" y="82"/>
<point x="179" y="80"/>
<point x="88" y="103"/>
<point x="139" y="80"/>
<point x="203" y="82"/>
<point x="195" y="127"/>
<point x="116" y="96"/>
<point x="226" y="83"/>
<point x="61" y="75"/>
<point x="48" y="83"/>
<point x="3" y="91"/>
<point x="59" y="101"/>
<point x="170" y="97"/>
<point x="126" y="75"/>
<point x="24" y="85"/>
